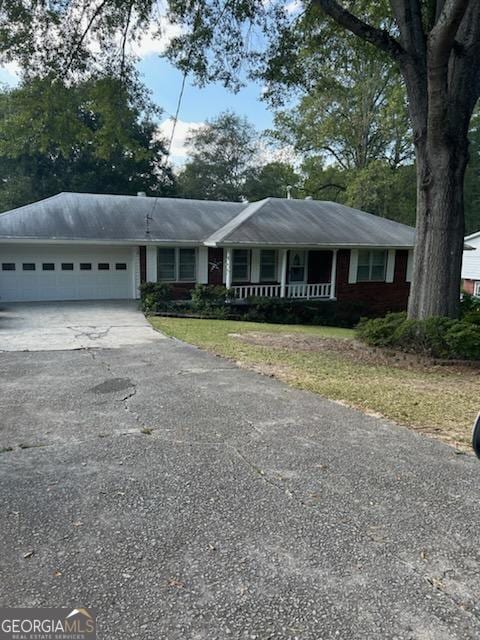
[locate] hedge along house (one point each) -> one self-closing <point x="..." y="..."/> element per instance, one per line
<point x="77" y="246"/>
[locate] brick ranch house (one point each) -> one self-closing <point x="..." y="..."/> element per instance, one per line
<point x="77" y="246"/>
<point x="471" y="265"/>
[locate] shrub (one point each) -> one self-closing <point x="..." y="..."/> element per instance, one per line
<point x="379" y="331"/>
<point x="154" y="293"/>
<point x="463" y="340"/>
<point x="205" y="296"/>
<point x="437" y="337"/>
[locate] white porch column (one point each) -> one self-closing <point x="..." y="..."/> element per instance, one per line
<point x="283" y="272"/>
<point x="228" y="267"/>
<point x="151" y="256"/>
<point x="333" y="276"/>
<point x="202" y="265"/>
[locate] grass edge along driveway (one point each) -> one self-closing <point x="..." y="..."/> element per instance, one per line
<point x="437" y="401"/>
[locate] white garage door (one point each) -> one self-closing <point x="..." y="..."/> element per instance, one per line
<point x="54" y="272"/>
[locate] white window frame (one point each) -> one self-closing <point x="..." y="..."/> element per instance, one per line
<point x="476" y="288"/>
<point x="370" y="265"/>
<point x="249" y="266"/>
<point x="275" y="266"/>
<point x="177" y="264"/>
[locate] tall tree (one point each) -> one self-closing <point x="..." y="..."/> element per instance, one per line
<point x="99" y="135"/>
<point x="221" y="155"/>
<point x="275" y="179"/>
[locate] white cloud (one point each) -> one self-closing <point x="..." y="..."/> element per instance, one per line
<point x="156" y="38"/>
<point x="178" y="151"/>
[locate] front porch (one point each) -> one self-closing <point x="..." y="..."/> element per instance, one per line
<point x="306" y="291"/>
<point x="298" y="274"/>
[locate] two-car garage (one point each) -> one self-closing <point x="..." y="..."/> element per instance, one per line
<point x="35" y="272"/>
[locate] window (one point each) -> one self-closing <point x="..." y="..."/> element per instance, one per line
<point x="67" y="266"/>
<point x="371" y="266"/>
<point x="48" y="266"/>
<point x="476" y="289"/>
<point x="166" y="264"/>
<point x="28" y="266"/>
<point x="103" y="266"/>
<point x="85" y="266"/>
<point x="176" y="264"/>
<point x="297" y="266"/>
<point x="268" y="265"/>
<point x="121" y="266"/>
<point x="8" y="266"/>
<point x="241" y="265"/>
<point x="186" y="264"/>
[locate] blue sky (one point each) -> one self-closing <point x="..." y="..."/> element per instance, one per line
<point x="198" y="104"/>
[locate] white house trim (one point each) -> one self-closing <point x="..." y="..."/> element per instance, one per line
<point x="353" y="268"/>
<point x="255" y="266"/>
<point x="151" y="257"/>
<point x="333" y="276"/>
<point x="202" y="266"/>
<point x="390" y="269"/>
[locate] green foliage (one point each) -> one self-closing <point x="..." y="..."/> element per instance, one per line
<point x="208" y="296"/>
<point x="153" y="294"/>
<point x="221" y="156"/>
<point x="271" y="180"/>
<point x="437" y="337"/>
<point x="313" y="312"/>
<point x="97" y="135"/>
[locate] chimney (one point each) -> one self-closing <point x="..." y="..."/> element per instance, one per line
<point x="141" y="194"/>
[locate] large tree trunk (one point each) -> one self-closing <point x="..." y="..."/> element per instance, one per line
<point x="439" y="229"/>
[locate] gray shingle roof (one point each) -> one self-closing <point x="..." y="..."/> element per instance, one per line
<point x="86" y="216"/>
<point x="273" y="221"/>
<point x="277" y="221"/>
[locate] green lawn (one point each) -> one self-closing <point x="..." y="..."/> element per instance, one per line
<point x="435" y="400"/>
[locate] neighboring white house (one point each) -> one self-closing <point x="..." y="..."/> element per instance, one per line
<point x="471" y="265"/>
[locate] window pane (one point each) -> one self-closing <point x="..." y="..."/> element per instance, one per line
<point x="378" y="258"/>
<point x="378" y="272"/>
<point x="121" y="266"/>
<point x="240" y="265"/>
<point x="364" y="258"/>
<point x="48" y="266"/>
<point x="268" y="265"/>
<point x="166" y="264"/>
<point x="28" y="266"/>
<point x="67" y="266"/>
<point x="186" y="267"/>
<point x="8" y="266"/>
<point x="103" y="266"/>
<point x="363" y="273"/>
<point x="85" y="266"/>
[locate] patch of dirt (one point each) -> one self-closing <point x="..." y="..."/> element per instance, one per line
<point x="350" y="349"/>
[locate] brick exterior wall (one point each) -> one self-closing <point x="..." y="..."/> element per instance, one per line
<point x="469" y="286"/>
<point x="380" y="297"/>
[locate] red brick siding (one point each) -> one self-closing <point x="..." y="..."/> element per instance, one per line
<point x="182" y="290"/>
<point x="380" y="297"/>
<point x="469" y="286"/>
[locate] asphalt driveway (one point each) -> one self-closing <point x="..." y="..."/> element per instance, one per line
<point x="47" y="326"/>
<point x="185" y="498"/>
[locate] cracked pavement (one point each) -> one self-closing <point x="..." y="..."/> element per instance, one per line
<point x="185" y="498"/>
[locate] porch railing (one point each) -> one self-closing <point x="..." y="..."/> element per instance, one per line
<point x="306" y="291"/>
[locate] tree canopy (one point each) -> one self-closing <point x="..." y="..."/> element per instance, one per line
<point x="99" y="135"/>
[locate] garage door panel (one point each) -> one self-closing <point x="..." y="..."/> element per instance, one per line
<point x="65" y="284"/>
